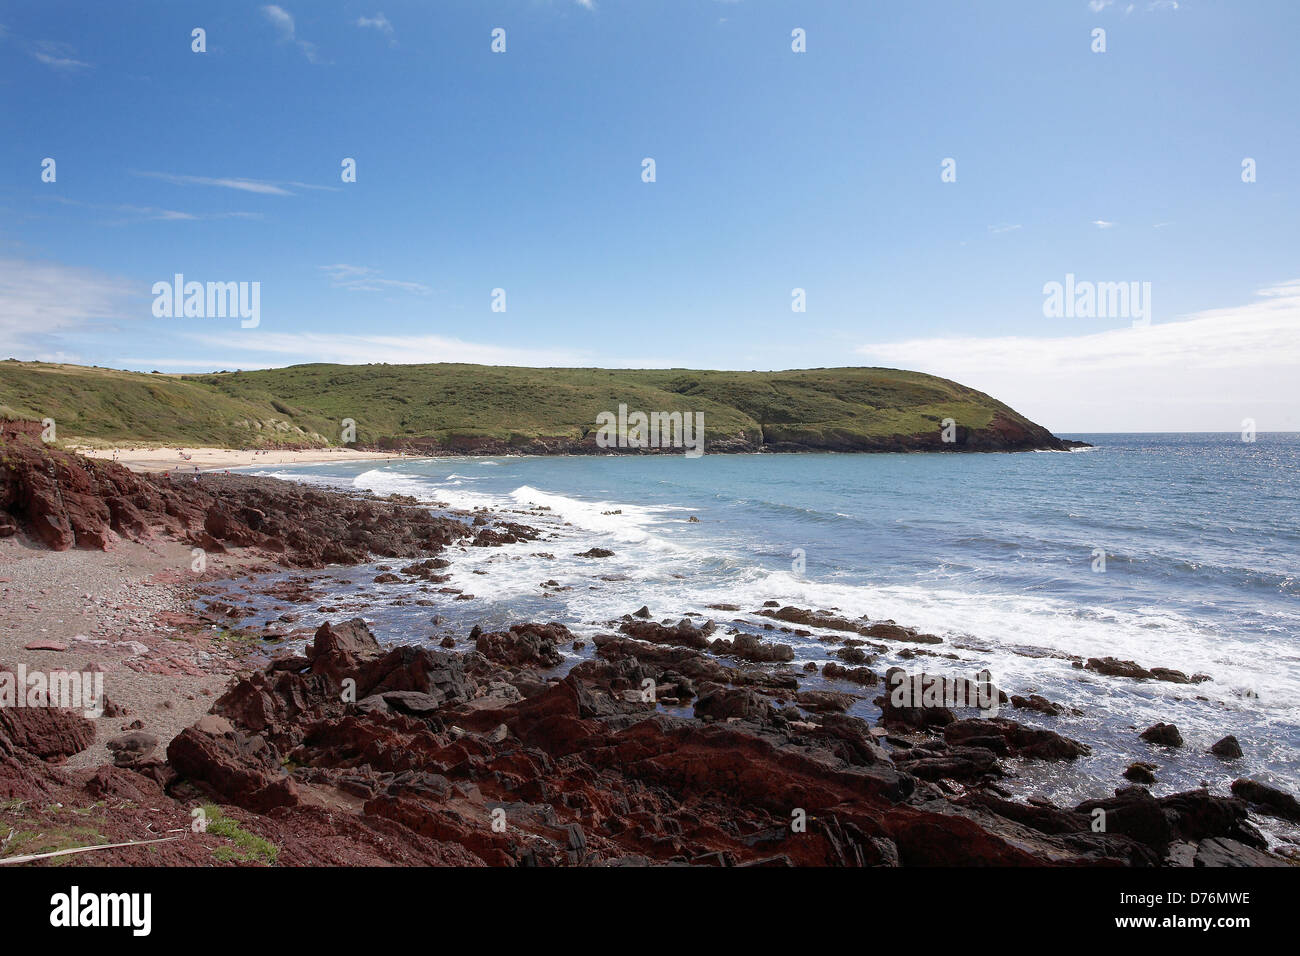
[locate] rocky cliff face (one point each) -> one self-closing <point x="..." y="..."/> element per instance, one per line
<point x="68" y="501"/>
<point x="1002" y="434"/>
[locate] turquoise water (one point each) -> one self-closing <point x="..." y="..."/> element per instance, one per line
<point x="998" y="554"/>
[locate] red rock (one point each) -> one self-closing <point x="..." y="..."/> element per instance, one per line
<point x="46" y="732"/>
<point x="235" y="768"/>
<point x="64" y="500"/>
<point x="531" y="645"/>
<point x="44" y="646"/>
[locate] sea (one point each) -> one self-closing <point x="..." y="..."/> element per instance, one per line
<point x="1170" y="550"/>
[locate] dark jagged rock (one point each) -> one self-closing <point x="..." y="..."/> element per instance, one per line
<point x="908" y="715"/>
<point x="1191" y="817"/>
<point x="747" y="647"/>
<point x="1038" y="703"/>
<point x="1139" y="772"/>
<point x="530" y="645"/>
<point x="857" y="675"/>
<point x="1216" y="851"/>
<point x="1227" y="748"/>
<point x="1166" y="735"/>
<point x="886" y="630"/>
<point x="824" y="701"/>
<point x="506" y="532"/>
<point x="967" y="764"/>
<point x="681" y="634"/>
<point x="724" y="703"/>
<point x="929" y="700"/>
<point x="1267" y="799"/>
<point x="1113" y="667"/>
<point x="1021" y="741"/>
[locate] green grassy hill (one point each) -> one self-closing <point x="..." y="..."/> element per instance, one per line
<point x="462" y="407"/>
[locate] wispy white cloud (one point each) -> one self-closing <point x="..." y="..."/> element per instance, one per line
<point x="42" y="301"/>
<point x="130" y="213"/>
<point x="1204" y="372"/>
<point x="65" y="64"/>
<point x="57" y="56"/>
<point x="243" y="185"/>
<point x="1004" y="227"/>
<point x="259" y="186"/>
<point x="1102" y="223"/>
<point x="365" y="279"/>
<point x="282" y="20"/>
<point x="1157" y="6"/>
<point x="1097" y="6"/>
<point x="378" y="22"/>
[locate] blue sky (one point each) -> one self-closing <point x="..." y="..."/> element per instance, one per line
<point x="774" y="170"/>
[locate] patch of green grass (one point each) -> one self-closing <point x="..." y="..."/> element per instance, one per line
<point x="237" y="638"/>
<point x="50" y="840"/>
<point x="248" y="847"/>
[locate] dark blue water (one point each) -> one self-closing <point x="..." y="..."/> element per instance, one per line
<point x="998" y="554"/>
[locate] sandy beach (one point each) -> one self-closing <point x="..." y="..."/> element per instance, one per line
<point x="219" y="459"/>
<point x="127" y="613"/>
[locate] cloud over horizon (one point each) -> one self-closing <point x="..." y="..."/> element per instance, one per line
<point x="1215" y="366"/>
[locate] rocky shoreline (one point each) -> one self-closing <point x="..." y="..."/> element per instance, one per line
<point x="672" y="743"/>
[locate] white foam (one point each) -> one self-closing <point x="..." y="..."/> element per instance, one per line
<point x="301" y="477"/>
<point x="632" y="524"/>
<point x="385" y="482"/>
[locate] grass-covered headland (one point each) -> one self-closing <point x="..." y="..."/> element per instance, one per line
<point x="494" y="409"/>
